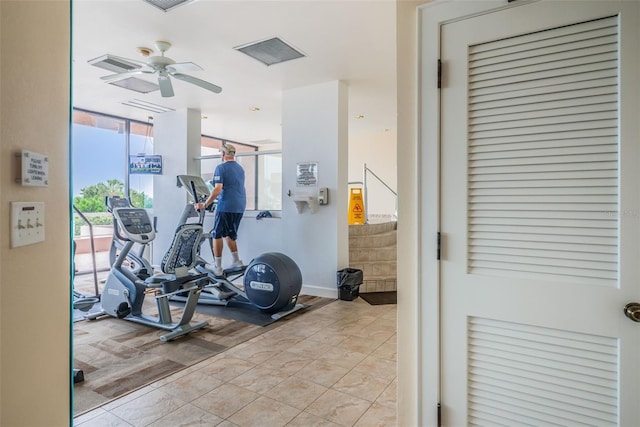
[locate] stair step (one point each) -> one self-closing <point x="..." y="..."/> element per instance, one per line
<point x="378" y="285"/>
<point x="380" y="240"/>
<point x="373" y="249"/>
<point x="369" y="229"/>
<point x="377" y="269"/>
<point x="388" y="253"/>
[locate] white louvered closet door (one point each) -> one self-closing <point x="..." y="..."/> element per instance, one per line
<point x="541" y="216"/>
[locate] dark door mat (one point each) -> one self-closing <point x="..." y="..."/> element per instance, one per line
<point x="380" y="298"/>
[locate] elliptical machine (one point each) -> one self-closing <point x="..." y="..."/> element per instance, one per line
<point x="271" y="282"/>
<point x="124" y="293"/>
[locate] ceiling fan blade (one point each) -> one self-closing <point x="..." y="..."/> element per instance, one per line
<point x="126" y="74"/>
<point x="166" y="89"/>
<point x="181" y="67"/>
<point x="198" y="82"/>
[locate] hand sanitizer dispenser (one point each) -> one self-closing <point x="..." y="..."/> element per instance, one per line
<point x="304" y="199"/>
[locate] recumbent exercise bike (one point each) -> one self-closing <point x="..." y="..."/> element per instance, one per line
<point x="124" y="293"/>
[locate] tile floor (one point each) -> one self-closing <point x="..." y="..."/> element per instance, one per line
<point x="335" y="366"/>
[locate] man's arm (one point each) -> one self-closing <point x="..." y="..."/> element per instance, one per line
<point x="212" y="196"/>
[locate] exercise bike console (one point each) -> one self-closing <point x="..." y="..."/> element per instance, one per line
<point x="135" y="224"/>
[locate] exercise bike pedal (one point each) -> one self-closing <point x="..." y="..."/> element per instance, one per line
<point x="123" y="310"/>
<point x="233" y="272"/>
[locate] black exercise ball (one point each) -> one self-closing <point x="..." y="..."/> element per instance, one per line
<point x="272" y="282"/>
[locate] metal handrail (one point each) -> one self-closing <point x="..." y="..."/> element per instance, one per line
<point x="366" y="170"/>
<point x="93" y="249"/>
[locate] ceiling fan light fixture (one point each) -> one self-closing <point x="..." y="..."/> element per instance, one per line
<point x="167" y="5"/>
<point x="270" y="51"/>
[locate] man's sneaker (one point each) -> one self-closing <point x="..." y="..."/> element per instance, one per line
<point x="217" y="271"/>
<point x="237" y="264"/>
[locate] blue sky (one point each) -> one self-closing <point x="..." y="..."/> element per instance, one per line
<point x="99" y="155"/>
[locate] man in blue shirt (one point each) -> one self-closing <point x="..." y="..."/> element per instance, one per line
<point x="228" y="181"/>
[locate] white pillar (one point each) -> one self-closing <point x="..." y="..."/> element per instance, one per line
<point x="177" y="137"/>
<point x="315" y="130"/>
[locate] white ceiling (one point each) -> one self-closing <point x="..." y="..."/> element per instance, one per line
<point x="348" y="40"/>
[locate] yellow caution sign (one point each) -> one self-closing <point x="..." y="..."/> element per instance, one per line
<point x="356" y="207"/>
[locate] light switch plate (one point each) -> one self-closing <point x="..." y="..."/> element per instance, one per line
<point x="27" y="223"/>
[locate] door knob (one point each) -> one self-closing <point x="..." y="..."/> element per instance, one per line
<point x="632" y="311"/>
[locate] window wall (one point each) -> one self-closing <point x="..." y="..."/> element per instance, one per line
<point x="104" y="146"/>
<point x="100" y="149"/>
<point x="210" y="158"/>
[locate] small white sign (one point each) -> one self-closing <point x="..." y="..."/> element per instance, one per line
<point x="307" y="174"/>
<point x="35" y="169"/>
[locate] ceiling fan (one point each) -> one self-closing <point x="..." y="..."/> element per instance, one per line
<point x="165" y="68"/>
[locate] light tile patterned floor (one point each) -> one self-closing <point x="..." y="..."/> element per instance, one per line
<point x="335" y="366"/>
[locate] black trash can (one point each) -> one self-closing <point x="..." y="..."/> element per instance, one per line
<point x="349" y="281"/>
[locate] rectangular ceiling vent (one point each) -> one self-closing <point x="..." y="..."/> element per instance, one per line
<point x="136" y="84"/>
<point x="167" y="5"/>
<point x="147" y="106"/>
<point x="115" y="64"/>
<point x="271" y="51"/>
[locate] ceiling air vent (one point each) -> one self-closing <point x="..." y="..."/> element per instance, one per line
<point x="270" y="51"/>
<point x="147" y="106"/>
<point x="113" y="63"/>
<point x="167" y="5"/>
<point x="136" y="84"/>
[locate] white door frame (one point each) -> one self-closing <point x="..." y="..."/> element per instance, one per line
<point x="430" y="18"/>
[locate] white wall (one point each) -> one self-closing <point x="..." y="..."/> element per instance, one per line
<point x="177" y="137"/>
<point x="409" y="404"/>
<point x="379" y="153"/>
<point x="315" y="130"/>
<point x="35" y="280"/>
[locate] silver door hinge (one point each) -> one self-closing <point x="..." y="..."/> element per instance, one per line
<point x="439" y="410"/>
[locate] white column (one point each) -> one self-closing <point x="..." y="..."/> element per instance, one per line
<point x="177" y="137"/>
<point x="315" y="130"/>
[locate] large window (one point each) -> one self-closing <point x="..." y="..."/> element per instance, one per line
<point x="210" y="152"/>
<point x="100" y="148"/>
<point x="103" y="147"/>
<point x="263" y="171"/>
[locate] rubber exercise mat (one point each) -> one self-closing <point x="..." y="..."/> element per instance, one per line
<point x="242" y="312"/>
<point x="380" y="298"/>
